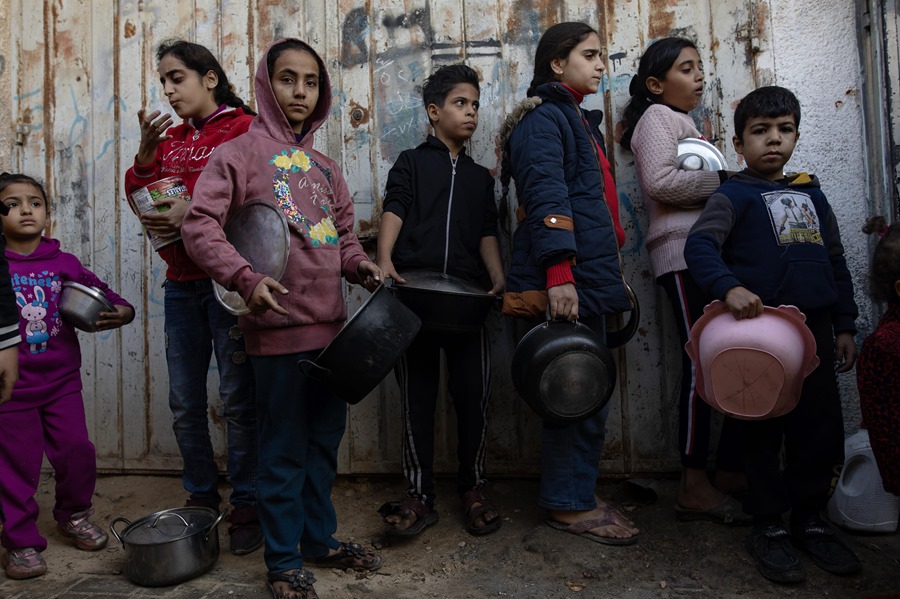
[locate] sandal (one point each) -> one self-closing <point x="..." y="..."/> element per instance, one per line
<point x="425" y="516"/>
<point x="475" y="506"/>
<point x="583" y="528"/>
<point x="299" y="580"/>
<point x="350" y="555"/>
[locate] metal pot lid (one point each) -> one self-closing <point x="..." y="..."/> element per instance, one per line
<point x="259" y="232"/>
<point x="92" y="292"/>
<point x="700" y="155"/>
<point x="169" y="525"/>
<point x="427" y="280"/>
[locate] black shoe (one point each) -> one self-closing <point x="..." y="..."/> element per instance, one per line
<point x="245" y="534"/>
<point x="813" y="535"/>
<point x="207" y="503"/>
<point x="770" y="546"/>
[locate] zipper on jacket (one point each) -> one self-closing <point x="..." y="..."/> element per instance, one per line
<point x="596" y="149"/>
<point x="449" y="210"/>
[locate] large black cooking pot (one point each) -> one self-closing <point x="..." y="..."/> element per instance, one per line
<point x="366" y="348"/>
<point x="617" y="335"/>
<point x="563" y="371"/>
<point x="445" y="303"/>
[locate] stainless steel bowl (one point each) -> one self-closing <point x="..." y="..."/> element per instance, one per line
<point x="81" y="305"/>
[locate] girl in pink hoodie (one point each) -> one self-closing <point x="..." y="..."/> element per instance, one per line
<point x="300" y="421"/>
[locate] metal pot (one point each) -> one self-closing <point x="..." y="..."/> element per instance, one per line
<point x="563" y="371"/>
<point x="259" y="233"/>
<point x="617" y="336"/>
<point x="171" y="546"/>
<point x="366" y="348"/>
<point x="81" y="305"/>
<point x="445" y="303"/>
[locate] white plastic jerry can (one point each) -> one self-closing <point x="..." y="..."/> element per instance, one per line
<point x="859" y="501"/>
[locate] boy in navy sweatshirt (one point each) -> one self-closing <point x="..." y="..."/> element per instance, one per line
<point x="440" y="216"/>
<point x="769" y="239"/>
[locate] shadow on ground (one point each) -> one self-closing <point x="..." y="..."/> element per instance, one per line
<point x="524" y="559"/>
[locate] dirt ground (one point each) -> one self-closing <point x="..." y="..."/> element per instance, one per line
<point x="524" y="559"/>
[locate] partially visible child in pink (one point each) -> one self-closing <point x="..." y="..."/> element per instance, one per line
<point x="878" y="366"/>
<point x="46" y="411"/>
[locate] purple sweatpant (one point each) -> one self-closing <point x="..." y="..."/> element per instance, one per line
<point x="58" y="429"/>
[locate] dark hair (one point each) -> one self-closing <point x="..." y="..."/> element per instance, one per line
<point x="885" y="270"/>
<point x="293" y="44"/>
<point x="436" y="87"/>
<point x="198" y="58"/>
<point x="557" y="42"/>
<point x="656" y="61"/>
<point x="7" y="179"/>
<point x="765" y="102"/>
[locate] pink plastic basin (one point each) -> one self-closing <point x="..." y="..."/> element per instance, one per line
<point x="753" y="368"/>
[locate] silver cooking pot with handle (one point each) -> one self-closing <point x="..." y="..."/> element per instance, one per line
<point x="171" y="546"/>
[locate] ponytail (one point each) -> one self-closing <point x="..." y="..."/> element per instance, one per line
<point x="198" y="58"/>
<point x="655" y="62"/>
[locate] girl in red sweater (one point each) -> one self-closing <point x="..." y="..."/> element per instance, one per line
<point x="198" y="91"/>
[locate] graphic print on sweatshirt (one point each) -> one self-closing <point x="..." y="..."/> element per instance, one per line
<point x="793" y="217"/>
<point x="34" y="296"/>
<point x="293" y="161"/>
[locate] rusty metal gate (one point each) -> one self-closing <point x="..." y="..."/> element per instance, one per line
<point x="80" y="70"/>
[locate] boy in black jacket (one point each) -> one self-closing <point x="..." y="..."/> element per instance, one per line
<point x="767" y="239"/>
<point x="440" y="215"/>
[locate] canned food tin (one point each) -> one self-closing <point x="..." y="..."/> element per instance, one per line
<point x="142" y="202"/>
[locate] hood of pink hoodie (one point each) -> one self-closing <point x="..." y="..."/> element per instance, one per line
<point x="271" y="119"/>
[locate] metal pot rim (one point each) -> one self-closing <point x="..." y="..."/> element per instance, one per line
<point x="91" y="292"/>
<point x="190" y="529"/>
<point x="440" y="283"/>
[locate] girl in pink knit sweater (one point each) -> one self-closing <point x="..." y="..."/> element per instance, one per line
<point x="668" y="85"/>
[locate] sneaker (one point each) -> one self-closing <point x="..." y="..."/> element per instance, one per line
<point x="86" y="535"/>
<point x="770" y="546"/>
<point x="245" y="534"/>
<point x="813" y="535"/>
<point x="23" y="563"/>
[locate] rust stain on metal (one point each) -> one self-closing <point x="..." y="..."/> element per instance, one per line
<point x="607" y="26"/>
<point x="529" y="19"/>
<point x="368" y="228"/>
<point x="661" y="21"/>
<point x="359" y="115"/>
<point x="130" y="29"/>
<point x="760" y="17"/>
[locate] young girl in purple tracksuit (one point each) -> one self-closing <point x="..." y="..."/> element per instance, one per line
<point x="46" y="411"/>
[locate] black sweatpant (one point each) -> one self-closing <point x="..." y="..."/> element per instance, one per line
<point x="812" y="435"/>
<point x="694" y="414"/>
<point x="469" y="381"/>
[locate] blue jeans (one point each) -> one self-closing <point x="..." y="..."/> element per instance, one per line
<point x="570" y="457"/>
<point x="301" y="424"/>
<point x="196" y="324"/>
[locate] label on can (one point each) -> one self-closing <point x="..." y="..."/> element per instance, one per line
<point x="142" y="202"/>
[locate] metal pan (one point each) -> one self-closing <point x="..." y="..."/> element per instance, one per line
<point x="259" y="232"/>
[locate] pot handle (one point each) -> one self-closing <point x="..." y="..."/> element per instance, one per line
<point x="112" y="528"/>
<point x="312" y="369"/>
<point x="622" y="336"/>
<point x="212" y="526"/>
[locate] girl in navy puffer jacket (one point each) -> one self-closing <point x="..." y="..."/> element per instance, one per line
<point x="565" y="256"/>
